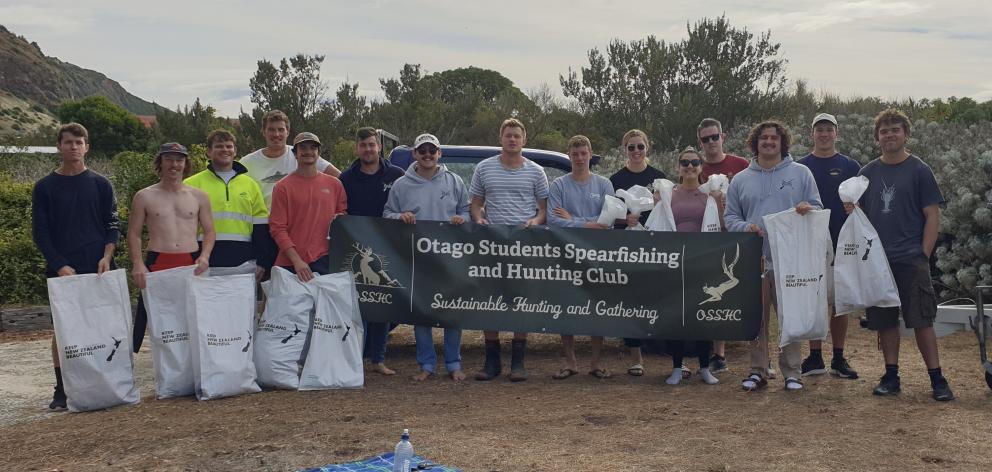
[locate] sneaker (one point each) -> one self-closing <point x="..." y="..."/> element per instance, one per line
<point x="754" y="382"/>
<point x="942" y="391"/>
<point x="813" y="365"/>
<point x="675" y="378"/>
<point x="59" y="401"/>
<point x="842" y="369"/>
<point x="718" y="364"/>
<point x="793" y="384"/>
<point x="888" y="386"/>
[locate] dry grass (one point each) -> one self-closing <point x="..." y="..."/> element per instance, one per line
<point x="623" y="423"/>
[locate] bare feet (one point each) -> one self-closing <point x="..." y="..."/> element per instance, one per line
<point x="457" y="376"/>
<point x="423" y="375"/>
<point x="382" y="369"/>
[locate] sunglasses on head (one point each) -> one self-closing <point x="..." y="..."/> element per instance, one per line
<point x="690" y="162"/>
<point x="638" y="146"/>
<point x="427" y="150"/>
<point x="712" y="137"/>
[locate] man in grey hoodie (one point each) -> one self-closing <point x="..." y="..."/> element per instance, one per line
<point x="772" y="183"/>
<point x="428" y="191"/>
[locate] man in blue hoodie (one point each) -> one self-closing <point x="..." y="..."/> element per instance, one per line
<point x="367" y="182"/>
<point x="430" y="192"/>
<point x="772" y="183"/>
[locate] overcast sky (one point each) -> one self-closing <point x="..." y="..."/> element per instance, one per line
<point x="173" y="52"/>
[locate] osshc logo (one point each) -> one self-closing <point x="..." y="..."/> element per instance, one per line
<point x="717" y="292"/>
<point x="371" y="275"/>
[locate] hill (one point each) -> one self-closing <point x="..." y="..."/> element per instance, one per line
<point x="44" y="82"/>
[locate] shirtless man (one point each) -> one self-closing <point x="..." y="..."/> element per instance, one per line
<point x="173" y="211"/>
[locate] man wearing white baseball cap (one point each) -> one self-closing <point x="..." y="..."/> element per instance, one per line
<point x="428" y="191"/>
<point x="829" y="169"/>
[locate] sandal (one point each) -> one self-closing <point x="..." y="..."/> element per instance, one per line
<point x="564" y="374"/>
<point x="635" y="370"/>
<point x="793" y="384"/>
<point x="754" y="382"/>
<point x="600" y="373"/>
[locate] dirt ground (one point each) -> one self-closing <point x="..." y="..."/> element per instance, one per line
<point x="581" y="423"/>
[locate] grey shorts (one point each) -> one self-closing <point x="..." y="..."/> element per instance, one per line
<point x="916" y="295"/>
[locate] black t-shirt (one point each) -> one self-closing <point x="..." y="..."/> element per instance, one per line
<point x="624" y="179"/>
<point x="894" y="203"/>
<point x="69" y="213"/>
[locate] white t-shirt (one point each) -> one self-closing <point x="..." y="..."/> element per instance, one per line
<point x="267" y="170"/>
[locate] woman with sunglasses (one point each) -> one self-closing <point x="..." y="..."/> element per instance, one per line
<point x="688" y="207"/>
<point x="637" y="171"/>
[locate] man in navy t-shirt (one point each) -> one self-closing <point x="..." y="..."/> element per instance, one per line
<point x="830" y="168"/>
<point x="903" y="203"/>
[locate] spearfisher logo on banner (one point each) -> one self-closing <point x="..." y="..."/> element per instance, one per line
<point x="636" y="284"/>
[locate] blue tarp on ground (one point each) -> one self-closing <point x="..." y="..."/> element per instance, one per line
<point x="381" y="463"/>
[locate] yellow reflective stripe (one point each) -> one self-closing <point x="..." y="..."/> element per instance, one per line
<point x="233" y="237"/>
<point x="261" y="220"/>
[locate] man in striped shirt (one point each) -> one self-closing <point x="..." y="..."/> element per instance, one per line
<point x="508" y="189"/>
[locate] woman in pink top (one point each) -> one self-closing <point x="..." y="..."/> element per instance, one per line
<point x="688" y="207"/>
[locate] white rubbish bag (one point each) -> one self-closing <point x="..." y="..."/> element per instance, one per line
<point x="281" y="336"/>
<point x="221" y="312"/>
<point x="164" y="297"/>
<point x="662" y="218"/>
<point x="800" y="250"/>
<point x="862" y="276"/>
<point x="711" y="215"/>
<point x="334" y="356"/>
<point x="613" y="209"/>
<point x="638" y="200"/>
<point x="92" y="318"/>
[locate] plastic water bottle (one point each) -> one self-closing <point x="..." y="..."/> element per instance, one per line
<point x="403" y="454"/>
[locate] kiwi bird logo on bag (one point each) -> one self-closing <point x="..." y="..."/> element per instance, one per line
<point x="117" y="344"/>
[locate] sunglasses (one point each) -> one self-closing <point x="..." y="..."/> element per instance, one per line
<point x="712" y="137"/>
<point x="639" y="147"/>
<point x="427" y="150"/>
<point x="690" y="162"/>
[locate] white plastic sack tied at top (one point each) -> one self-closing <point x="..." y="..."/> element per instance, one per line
<point x="662" y="218"/>
<point x="862" y="276"/>
<point x="221" y="317"/>
<point x="638" y="200"/>
<point x="711" y="215"/>
<point x="92" y="318"/>
<point x="801" y="251"/>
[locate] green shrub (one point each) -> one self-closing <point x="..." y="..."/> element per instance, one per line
<point x="21" y="264"/>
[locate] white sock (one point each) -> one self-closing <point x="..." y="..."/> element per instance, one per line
<point x="676" y="376"/>
<point x="708" y="377"/>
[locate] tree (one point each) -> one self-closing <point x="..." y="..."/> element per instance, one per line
<point x="189" y="125"/>
<point x="112" y="129"/>
<point x="294" y="87"/>
<point x="666" y="88"/>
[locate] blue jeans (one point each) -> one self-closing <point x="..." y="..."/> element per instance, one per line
<point x="376" y="336"/>
<point x="427" y="357"/>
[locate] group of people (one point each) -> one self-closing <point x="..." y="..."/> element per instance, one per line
<point x="275" y="205"/>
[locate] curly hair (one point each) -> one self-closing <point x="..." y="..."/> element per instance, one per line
<point x="891" y="116"/>
<point x="780" y="129"/>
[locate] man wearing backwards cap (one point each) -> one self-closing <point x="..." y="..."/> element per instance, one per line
<point x="303" y="205"/>
<point x="829" y="169"/>
<point x="173" y="212"/>
<point x="430" y="192"/>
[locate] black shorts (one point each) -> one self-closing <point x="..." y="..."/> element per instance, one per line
<point x="916" y="295"/>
